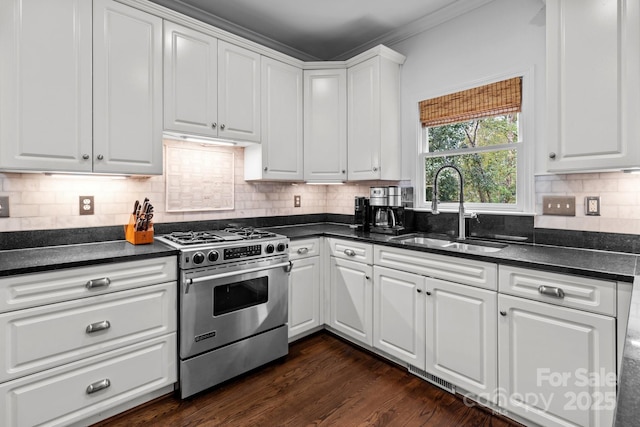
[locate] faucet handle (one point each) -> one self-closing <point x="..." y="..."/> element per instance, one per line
<point x="471" y="215"/>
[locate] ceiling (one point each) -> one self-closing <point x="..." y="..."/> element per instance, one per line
<point x="323" y="29"/>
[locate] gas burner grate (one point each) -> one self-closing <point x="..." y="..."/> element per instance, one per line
<point x="250" y="233"/>
<point x="193" y="237"/>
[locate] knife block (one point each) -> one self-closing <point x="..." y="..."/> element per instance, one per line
<point x="137" y="237"/>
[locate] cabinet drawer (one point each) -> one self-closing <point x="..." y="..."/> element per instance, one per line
<point x="458" y="270"/>
<point x="304" y="248"/>
<point x="598" y="296"/>
<point x="43" y="337"/>
<point x="60" y="396"/>
<point x="354" y="251"/>
<point x="30" y="290"/>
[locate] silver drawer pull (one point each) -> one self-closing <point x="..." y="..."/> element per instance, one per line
<point x="98" y="385"/>
<point x="551" y="291"/>
<point x="303" y="251"/>
<point x="98" y="283"/>
<point x="98" y="326"/>
<point x="349" y="252"/>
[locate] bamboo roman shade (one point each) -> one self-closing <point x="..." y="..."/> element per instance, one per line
<point x="490" y="100"/>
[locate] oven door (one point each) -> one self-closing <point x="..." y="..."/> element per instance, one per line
<point x="218" y="309"/>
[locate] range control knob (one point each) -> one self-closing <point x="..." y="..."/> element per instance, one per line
<point x="269" y="249"/>
<point x="198" y="258"/>
<point x="213" y="256"/>
<point x="281" y="247"/>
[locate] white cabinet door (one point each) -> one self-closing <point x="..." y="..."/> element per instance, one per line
<point x="351" y="299"/>
<point x="325" y="125"/>
<point x="279" y="156"/>
<point x="374" y="120"/>
<point x="45" y="82"/>
<point x="462" y="337"/>
<point x="556" y="365"/>
<point x="304" y="296"/>
<point x="399" y="315"/>
<point x="238" y="93"/>
<point x="593" y="84"/>
<point x="127" y="90"/>
<point x="190" y="81"/>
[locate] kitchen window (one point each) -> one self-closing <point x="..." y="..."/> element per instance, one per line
<point x="479" y="130"/>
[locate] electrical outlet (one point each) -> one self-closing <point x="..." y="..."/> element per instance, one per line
<point x="86" y="205"/>
<point x="592" y="205"/>
<point x="559" y="205"/>
<point x="296" y="201"/>
<point x="4" y="207"/>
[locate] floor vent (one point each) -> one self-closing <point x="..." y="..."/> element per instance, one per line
<point x="445" y="385"/>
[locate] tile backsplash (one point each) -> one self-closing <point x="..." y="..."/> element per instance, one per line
<point x="619" y="200"/>
<point x="39" y="201"/>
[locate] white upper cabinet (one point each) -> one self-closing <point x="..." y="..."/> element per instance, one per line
<point x="190" y="81"/>
<point x="279" y="156"/>
<point x="593" y="84"/>
<point x="127" y="90"/>
<point x="374" y="148"/>
<point x="325" y="125"/>
<point x="45" y="82"/>
<point x="238" y="93"/>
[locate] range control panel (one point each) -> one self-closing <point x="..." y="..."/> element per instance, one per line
<point x="242" y="252"/>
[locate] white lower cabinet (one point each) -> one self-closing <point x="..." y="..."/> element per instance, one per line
<point x="556" y="365"/>
<point x="305" y="296"/>
<point x="351" y="299"/>
<point x="461" y="336"/>
<point x="103" y="337"/>
<point x="72" y="392"/>
<point x="399" y="315"/>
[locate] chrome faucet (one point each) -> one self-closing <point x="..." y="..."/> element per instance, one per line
<point x="461" y="214"/>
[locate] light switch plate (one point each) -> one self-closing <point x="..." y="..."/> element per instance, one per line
<point x="4" y="207"/>
<point x="559" y="205"/>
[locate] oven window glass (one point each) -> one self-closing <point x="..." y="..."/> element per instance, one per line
<point x="239" y="295"/>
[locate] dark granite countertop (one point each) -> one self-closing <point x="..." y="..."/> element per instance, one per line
<point x="21" y="261"/>
<point x="598" y="264"/>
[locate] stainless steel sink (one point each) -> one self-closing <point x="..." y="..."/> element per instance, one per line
<point x="473" y="246"/>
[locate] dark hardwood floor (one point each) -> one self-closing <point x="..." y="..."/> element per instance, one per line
<point x="323" y="381"/>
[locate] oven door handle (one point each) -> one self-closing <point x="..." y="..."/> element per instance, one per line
<point x="188" y="282"/>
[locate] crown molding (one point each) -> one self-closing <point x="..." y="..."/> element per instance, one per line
<point x="418" y="26"/>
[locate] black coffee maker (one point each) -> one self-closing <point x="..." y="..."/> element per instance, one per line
<point x="361" y="212"/>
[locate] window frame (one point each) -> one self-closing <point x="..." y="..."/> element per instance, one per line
<point x="525" y="160"/>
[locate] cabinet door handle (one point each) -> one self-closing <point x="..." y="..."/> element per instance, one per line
<point x="551" y="291"/>
<point x="428" y="293"/>
<point x="98" y="283"/>
<point x="98" y="385"/>
<point x="503" y="313"/>
<point x="266" y="168"/>
<point x="349" y="252"/>
<point x="85" y="157"/>
<point x="222" y="126"/>
<point x="303" y="251"/>
<point x="552" y="155"/>
<point x="98" y="326"/>
<point x="344" y="171"/>
<point x="100" y="157"/>
<point x="367" y="277"/>
<point x="214" y="125"/>
<point x="419" y="291"/>
<point x="375" y="169"/>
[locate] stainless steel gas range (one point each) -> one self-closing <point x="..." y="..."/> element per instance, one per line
<point x="232" y="303"/>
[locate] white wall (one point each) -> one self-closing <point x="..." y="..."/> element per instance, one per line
<point x="499" y="38"/>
